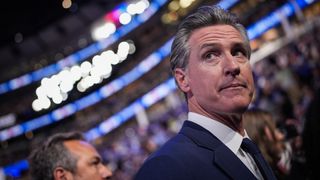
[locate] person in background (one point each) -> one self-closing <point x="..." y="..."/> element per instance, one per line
<point x="210" y="63"/>
<point x="67" y="156"/>
<point x="261" y="128"/>
<point x="311" y="137"/>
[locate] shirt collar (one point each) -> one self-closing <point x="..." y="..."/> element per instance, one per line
<point x="226" y="135"/>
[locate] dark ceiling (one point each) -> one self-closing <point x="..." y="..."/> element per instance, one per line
<point x="29" y="17"/>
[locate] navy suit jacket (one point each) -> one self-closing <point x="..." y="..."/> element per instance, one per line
<point x="193" y="154"/>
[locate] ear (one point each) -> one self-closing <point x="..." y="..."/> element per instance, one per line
<point x="61" y="174"/>
<point x="182" y="79"/>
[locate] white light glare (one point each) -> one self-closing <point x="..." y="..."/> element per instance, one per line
<point x="141" y="6"/>
<point x="138" y="8"/>
<point x="44" y="103"/>
<point x="111" y="57"/>
<point x="66" y="86"/>
<point x="45" y="81"/>
<point x="123" y="50"/>
<point x="57" y="98"/>
<point x="131" y="9"/>
<point x="75" y="73"/>
<point x="103" y="31"/>
<point x="80" y="87"/>
<point x="36" y="105"/>
<point x="98" y="60"/>
<point x="41" y="92"/>
<point x="85" y="68"/>
<point x="125" y="18"/>
<point x="123" y="46"/>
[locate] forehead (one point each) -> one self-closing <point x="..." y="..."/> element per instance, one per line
<point x="215" y="34"/>
<point x="81" y="148"/>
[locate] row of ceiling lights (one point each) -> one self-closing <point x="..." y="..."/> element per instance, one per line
<point x="86" y="75"/>
<point x="56" y="87"/>
<point x="107" y="26"/>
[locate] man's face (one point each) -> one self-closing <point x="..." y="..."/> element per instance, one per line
<point x="89" y="164"/>
<point x="218" y="79"/>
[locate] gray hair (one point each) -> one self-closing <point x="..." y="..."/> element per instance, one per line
<point x="52" y="154"/>
<point x="204" y="16"/>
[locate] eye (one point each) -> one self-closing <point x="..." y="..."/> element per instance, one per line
<point x="239" y="52"/>
<point x="210" y="55"/>
<point x="96" y="161"/>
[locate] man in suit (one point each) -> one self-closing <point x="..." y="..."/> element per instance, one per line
<point x="66" y="156"/>
<point x="210" y="63"/>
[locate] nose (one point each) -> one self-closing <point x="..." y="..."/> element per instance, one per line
<point x="105" y="172"/>
<point x="231" y="66"/>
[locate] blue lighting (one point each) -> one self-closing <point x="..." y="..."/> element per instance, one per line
<point x="82" y="54"/>
<point x="15" y="169"/>
<point x="274" y="18"/>
<point x="146" y="101"/>
<point x="124" y="115"/>
<point x="94" y="97"/>
<point x="227" y="3"/>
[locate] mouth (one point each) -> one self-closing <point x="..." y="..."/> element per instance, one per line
<point x="233" y="86"/>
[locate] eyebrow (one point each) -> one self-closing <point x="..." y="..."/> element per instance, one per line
<point x="234" y="45"/>
<point x="205" y="45"/>
<point x="96" y="158"/>
<point x="243" y="45"/>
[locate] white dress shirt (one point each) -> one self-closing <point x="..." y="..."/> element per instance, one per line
<point x="229" y="137"/>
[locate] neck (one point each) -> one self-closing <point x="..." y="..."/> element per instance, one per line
<point x="233" y="121"/>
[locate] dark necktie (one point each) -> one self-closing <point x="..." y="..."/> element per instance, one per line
<point x="248" y="146"/>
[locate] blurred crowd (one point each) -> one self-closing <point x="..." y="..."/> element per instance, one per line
<point x="287" y="83"/>
<point x="126" y="152"/>
<point x="287" y="91"/>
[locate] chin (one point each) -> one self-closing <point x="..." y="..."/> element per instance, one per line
<point x="236" y="108"/>
<point x="241" y="110"/>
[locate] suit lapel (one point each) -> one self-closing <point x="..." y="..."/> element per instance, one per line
<point x="223" y="156"/>
<point x="231" y="164"/>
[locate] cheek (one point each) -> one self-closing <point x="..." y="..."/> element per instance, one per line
<point x="90" y="173"/>
<point x="247" y="74"/>
<point x="204" y="83"/>
<point x="86" y="171"/>
<point x="204" y="91"/>
<point x="206" y="74"/>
